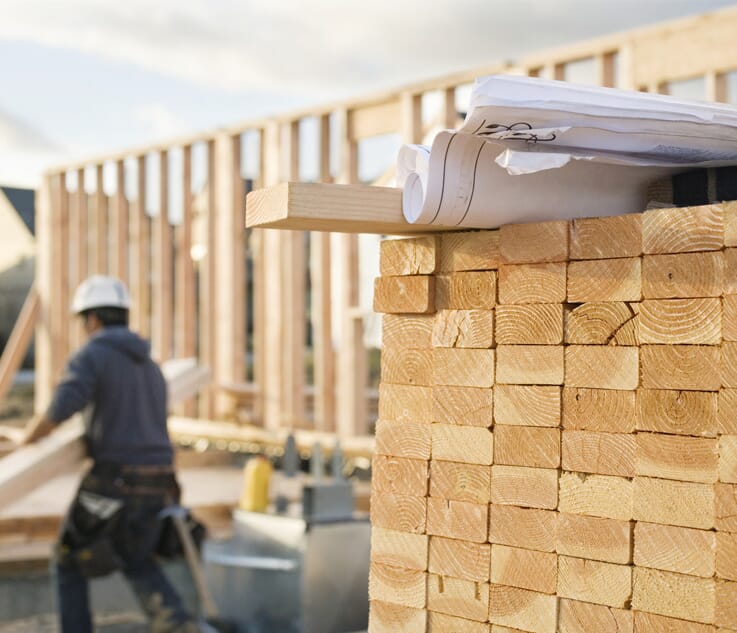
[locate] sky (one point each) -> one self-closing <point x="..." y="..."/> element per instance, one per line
<point x="83" y="77"/>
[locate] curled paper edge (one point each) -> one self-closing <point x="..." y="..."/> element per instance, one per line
<point x="522" y="163"/>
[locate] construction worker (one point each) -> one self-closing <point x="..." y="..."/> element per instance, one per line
<point x="113" y="522"/>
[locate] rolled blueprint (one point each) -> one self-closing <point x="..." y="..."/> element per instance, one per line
<point x="532" y="150"/>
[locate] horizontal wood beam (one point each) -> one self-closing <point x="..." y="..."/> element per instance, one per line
<point x="183" y="429"/>
<point x="328" y="207"/>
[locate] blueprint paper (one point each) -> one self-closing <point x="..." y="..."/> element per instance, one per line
<point x="533" y="150"/>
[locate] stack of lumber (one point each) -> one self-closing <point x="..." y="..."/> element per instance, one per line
<point x="556" y="449"/>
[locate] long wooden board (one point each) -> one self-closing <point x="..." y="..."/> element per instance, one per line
<point x="22" y="470"/>
<point x="335" y="208"/>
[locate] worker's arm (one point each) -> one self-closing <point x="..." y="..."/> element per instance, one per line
<point x="40" y="426"/>
<point x="71" y="395"/>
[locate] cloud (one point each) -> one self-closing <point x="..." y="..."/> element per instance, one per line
<point x="24" y="152"/>
<point x="324" y="47"/>
<point x="160" y="122"/>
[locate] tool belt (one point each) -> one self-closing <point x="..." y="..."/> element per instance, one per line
<point x="97" y="535"/>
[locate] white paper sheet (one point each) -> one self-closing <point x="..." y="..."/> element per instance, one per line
<point x="533" y="149"/>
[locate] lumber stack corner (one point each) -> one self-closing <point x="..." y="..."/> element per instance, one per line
<point x="556" y="449"/>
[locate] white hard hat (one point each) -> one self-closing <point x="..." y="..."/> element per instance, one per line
<point x="100" y="291"/>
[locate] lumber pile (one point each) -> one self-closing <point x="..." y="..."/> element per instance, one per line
<point x="556" y="449"/>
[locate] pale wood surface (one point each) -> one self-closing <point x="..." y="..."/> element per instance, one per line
<point x="677" y="549"/>
<point x="594" y="538"/>
<point x="683" y="276"/>
<point x="464" y="328"/>
<point x="408" y="403"/>
<point x="521" y="608"/>
<point x="532" y="283"/>
<point x="602" y="367"/>
<point x="594" y="581"/>
<point x="440" y="622"/>
<point x="529" y="324"/>
<point x="674" y="595"/>
<point x="469" y="251"/>
<point x="679" y="321"/>
<point x="410" y="330"/>
<point x="460" y="481"/>
<point x="591" y="238"/>
<point x="730" y="271"/>
<point x="521" y="486"/>
<point x="470" y="406"/>
<point x="683" y="229"/>
<point x="397" y="585"/>
<point x="402" y="366"/>
<point x="602" y="323"/>
<point x="729" y="364"/>
<point x="725" y="511"/>
<point x="729" y="317"/>
<point x="676" y="457"/>
<point x="527" y="405"/>
<point x="582" y="617"/>
<point x="537" y="447"/>
<point x="322" y="328"/>
<point x="455" y="596"/>
<point x="344" y="208"/>
<point x="727" y="412"/>
<point x="459" y="559"/>
<point x="596" y="495"/>
<point x="604" y="280"/>
<point x="606" y="410"/>
<point x="728" y="458"/>
<point x="413" y="294"/>
<point x="399" y="475"/>
<point x="524" y="568"/>
<point x="530" y="364"/>
<point x="598" y="453"/>
<point x="652" y="623"/>
<point x="403" y="439"/>
<point x="404" y="513"/>
<point x="468" y="290"/>
<point x="463" y="367"/>
<point x="387" y="617"/>
<point x="534" y="243"/>
<point x="457" y="519"/>
<point x="689" y="367"/>
<point x="674" y="502"/>
<point x="400" y="549"/>
<point x="730" y="224"/>
<point x="523" y="527"/>
<point x="726" y="607"/>
<point x="677" y="412"/>
<point x="467" y="444"/>
<point x="411" y="256"/>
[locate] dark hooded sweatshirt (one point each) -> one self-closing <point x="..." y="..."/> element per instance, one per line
<point x="114" y="373"/>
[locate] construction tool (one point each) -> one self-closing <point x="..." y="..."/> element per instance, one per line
<point x="210" y="621"/>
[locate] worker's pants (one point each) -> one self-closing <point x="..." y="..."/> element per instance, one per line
<point x="154" y="592"/>
<point x="114" y="523"/>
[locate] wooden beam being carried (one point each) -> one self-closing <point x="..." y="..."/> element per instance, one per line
<point x="26" y="467"/>
<point x="328" y="207"/>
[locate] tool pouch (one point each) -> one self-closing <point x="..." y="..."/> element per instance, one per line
<point x="86" y="541"/>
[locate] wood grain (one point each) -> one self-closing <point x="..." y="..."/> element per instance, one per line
<point x="684" y="229"/>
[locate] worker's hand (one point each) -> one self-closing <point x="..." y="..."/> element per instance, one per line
<point x="38" y="427"/>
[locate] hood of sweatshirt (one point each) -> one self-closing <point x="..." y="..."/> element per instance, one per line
<point x="122" y="339"/>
